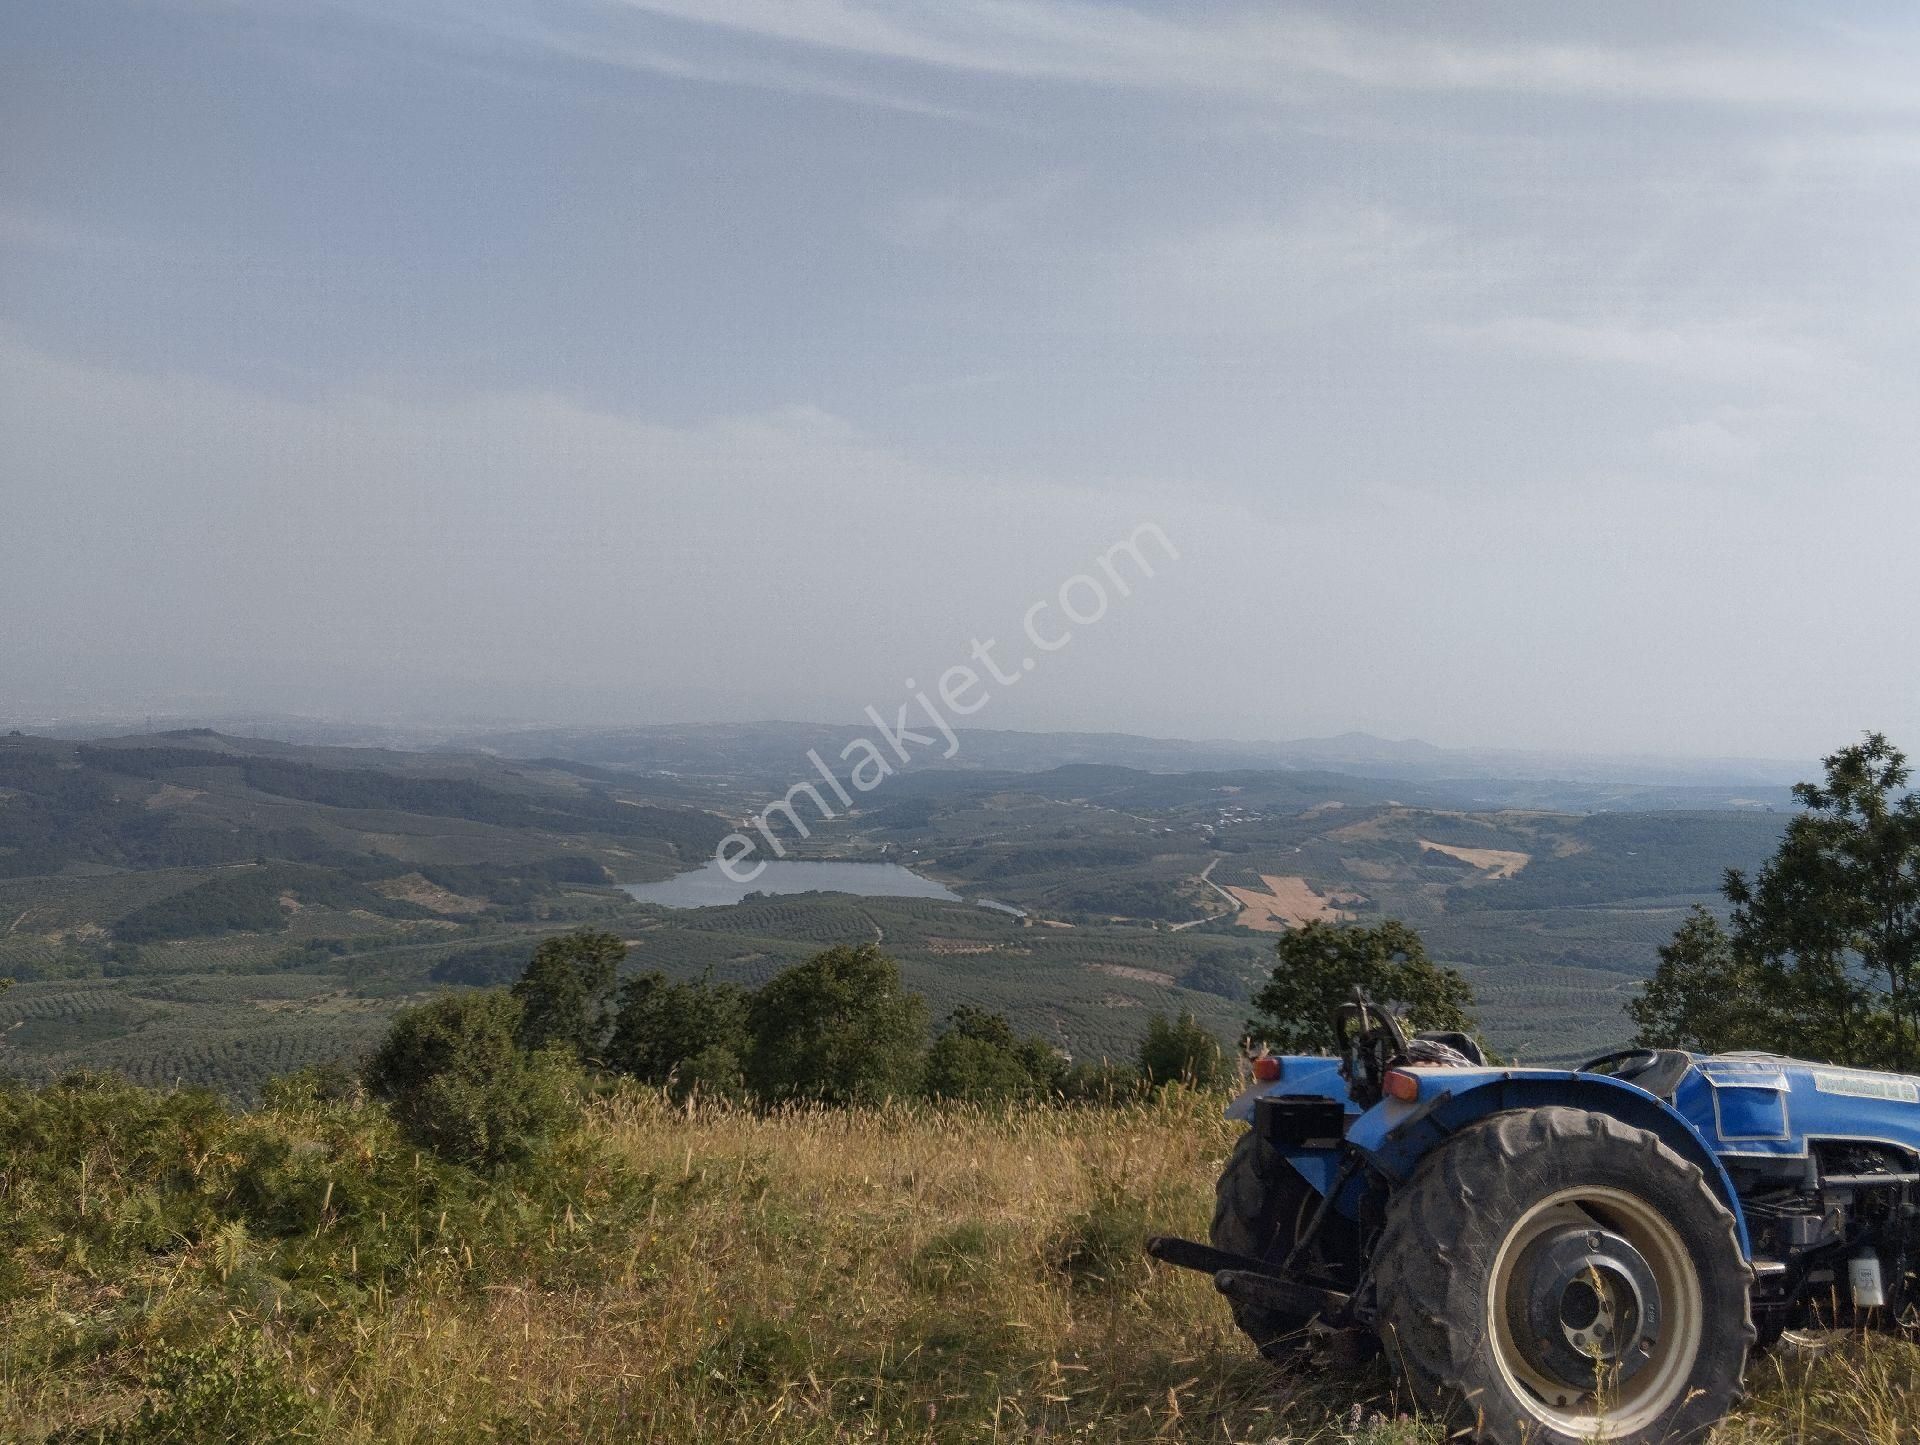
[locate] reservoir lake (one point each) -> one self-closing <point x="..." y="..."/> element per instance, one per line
<point x="708" y="886"/>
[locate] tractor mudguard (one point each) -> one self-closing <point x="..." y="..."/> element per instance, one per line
<point x="1306" y="1077"/>
<point x="1396" y="1135"/>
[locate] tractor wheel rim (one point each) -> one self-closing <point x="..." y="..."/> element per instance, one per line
<point x="1599" y="1272"/>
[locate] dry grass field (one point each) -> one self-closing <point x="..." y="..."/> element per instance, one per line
<point x="895" y="1275"/>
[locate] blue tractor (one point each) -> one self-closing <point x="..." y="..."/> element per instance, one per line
<point x="1554" y="1256"/>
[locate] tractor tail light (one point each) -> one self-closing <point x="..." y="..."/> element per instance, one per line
<point x="1266" y="1068"/>
<point x="1401" y="1085"/>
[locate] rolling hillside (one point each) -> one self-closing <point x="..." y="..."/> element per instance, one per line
<point x="190" y="906"/>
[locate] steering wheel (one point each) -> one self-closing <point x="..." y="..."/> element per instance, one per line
<point x="1360" y="1015"/>
<point x="1626" y="1063"/>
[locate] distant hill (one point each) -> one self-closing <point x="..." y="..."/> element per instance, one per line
<point x="769" y="752"/>
<point x="772" y="754"/>
<point x="196" y="798"/>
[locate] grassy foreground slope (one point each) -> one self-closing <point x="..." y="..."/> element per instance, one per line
<point x="897" y="1275"/>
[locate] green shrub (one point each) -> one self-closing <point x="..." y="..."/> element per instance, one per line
<point x="301" y="1208"/>
<point x="1104" y="1082"/>
<point x="753" y="1351"/>
<point x="713" y="1073"/>
<point x="460" y="1085"/>
<point x="979" y="1057"/>
<point x="312" y="1087"/>
<point x="1183" y="1051"/>
<point x="470" y="1034"/>
<point x="228" y="1391"/>
<point x="496" y="1120"/>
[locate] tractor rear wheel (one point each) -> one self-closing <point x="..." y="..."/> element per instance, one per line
<point x="1554" y="1276"/>
<point x="1261" y="1207"/>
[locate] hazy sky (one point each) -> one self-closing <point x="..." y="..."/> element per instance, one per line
<point x="1505" y="374"/>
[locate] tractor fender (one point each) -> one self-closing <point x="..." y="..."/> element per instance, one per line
<point x="1396" y="1135"/>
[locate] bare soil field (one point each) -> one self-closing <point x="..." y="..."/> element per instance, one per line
<point x="1289" y="903"/>
<point x="1496" y="862"/>
<point x="1138" y="975"/>
<point x="413" y="888"/>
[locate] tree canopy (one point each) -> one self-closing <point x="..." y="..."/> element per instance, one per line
<point x="459" y="1084"/>
<point x="566" y="992"/>
<point x="1821" y="954"/>
<point x="1321" y="963"/>
<point x="680" y="1034"/>
<point x="978" y="1056"/>
<point x="838" y="1028"/>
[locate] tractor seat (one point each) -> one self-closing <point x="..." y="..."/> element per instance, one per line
<point x="1465" y="1045"/>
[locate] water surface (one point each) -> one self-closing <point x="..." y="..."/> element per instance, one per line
<point x="707" y="886"/>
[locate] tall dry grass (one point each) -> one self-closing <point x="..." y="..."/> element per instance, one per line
<point x="901" y="1274"/>
<point x="894" y="1275"/>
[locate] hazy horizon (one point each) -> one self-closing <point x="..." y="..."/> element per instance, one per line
<point x="412" y="731"/>
<point x="1518" y="378"/>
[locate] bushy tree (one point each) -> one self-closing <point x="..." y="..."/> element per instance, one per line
<point x="1182" y="1050"/>
<point x="1702" y="996"/>
<point x="692" y="1035"/>
<point x="464" y="1033"/>
<point x="458" y="1083"/>
<point x="1823" y="953"/>
<point x="716" y="1072"/>
<point x="978" y="1056"/>
<point x="566" y="993"/>
<point x="838" y="1028"/>
<point x="1321" y="963"/>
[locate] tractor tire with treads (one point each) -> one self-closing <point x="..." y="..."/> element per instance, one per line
<point x="1257" y="1211"/>
<point x="1554" y="1276"/>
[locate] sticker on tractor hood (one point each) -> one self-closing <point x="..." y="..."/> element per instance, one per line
<point x="1868" y="1086"/>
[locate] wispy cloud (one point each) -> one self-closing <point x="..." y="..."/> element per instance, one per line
<point x="629" y="53"/>
<point x="1721" y="351"/>
<point x="1260" y="51"/>
<point x="977" y="214"/>
<point x="620" y="39"/>
<point x="1331" y="256"/>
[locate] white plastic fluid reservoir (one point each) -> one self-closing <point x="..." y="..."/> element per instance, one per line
<point x="1863" y="1274"/>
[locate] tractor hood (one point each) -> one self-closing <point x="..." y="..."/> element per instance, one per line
<point x="1763" y="1106"/>
<point x="1756" y="1105"/>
